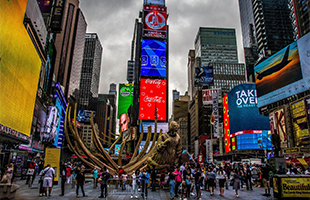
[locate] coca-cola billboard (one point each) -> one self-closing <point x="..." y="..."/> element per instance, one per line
<point x="153" y="91"/>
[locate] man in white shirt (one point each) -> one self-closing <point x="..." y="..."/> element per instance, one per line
<point x="49" y="174"/>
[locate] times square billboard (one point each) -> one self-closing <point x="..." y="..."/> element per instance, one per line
<point x="153" y="93"/>
<point x="125" y="98"/>
<point x="155" y="21"/>
<point x="155" y="2"/>
<point x="284" y="74"/>
<point x="20" y="69"/>
<point x="242" y="119"/>
<point x="153" y="58"/>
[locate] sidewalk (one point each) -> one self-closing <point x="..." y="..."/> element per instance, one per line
<point x="26" y="193"/>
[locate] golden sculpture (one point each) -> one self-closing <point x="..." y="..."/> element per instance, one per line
<point x="163" y="153"/>
<point x="169" y="149"/>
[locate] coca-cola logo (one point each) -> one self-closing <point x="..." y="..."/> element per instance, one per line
<point x="156" y="99"/>
<point x="153" y="81"/>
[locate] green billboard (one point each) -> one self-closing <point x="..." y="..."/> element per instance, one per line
<point x="125" y="98"/>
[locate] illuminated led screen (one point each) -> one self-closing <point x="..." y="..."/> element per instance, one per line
<point x="151" y="91"/>
<point x="156" y="2"/>
<point x="226" y="124"/>
<point x="284" y="74"/>
<point x="251" y="140"/>
<point x="163" y="126"/>
<point x="155" y="21"/>
<point x="153" y="58"/>
<point x="242" y="103"/>
<point x="125" y="98"/>
<point x="19" y="68"/>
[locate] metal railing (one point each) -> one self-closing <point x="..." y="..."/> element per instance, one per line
<point x="118" y="186"/>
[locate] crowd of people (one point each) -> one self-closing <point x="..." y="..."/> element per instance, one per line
<point x="186" y="180"/>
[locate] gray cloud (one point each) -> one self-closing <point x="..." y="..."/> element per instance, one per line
<point x="113" y="21"/>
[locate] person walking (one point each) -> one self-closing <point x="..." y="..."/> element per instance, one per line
<point x="104" y="183"/>
<point x="63" y="178"/>
<point x="198" y="182"/>
<point x="236" y="181"/>
<point x="145" y="180"/>
<point x="178" y="181"/>
<point x="134" y="185"/>
<point x="266" y="181"/>
<point x="171" y="184"/>
<point x="153" y="177"/>
<point x="95" y="176"/>
<point x="124" y="177"/>
<point x="32" y="166"/>
<point x="211" y="180"/>
<point x="80" y="182"/>
<point x="221" y="175"/>
<point x="162" y="179"/>
<point x="48" y="174"/>
<point x="68" y="174"/>
<point x="248" y="178"/>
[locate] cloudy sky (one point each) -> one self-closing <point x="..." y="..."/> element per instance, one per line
<point x="113" y="21"/>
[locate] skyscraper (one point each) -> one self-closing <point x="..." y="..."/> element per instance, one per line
<point x="91" y="65"/>
<point x="300" y="16"/>
<point x="76" y="66"/>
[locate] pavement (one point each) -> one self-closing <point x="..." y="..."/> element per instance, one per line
<point x="29" y="193"/>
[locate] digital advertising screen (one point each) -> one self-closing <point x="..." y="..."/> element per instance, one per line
<point x="155" y="21"/>
<point x="153" y="58"/>
<point x="151" y="91"/>
<point x="284" y="74"/>
<point x="125" y="98"/>
<point x="117" y="149"/>
<point x="51" y="125"/>
<point x="203" y="76"/>
<point x="19" y="69"/>
<point x="142" y="144"/>
<point x="251" y="140"/>
<point x="155" y="2"/>
<point x="226" y="124"/>
<point x="242" y="102"/>
<point x="45" y="5"/>
<point x="160" y="125"/>
<point x="58" y="128"/>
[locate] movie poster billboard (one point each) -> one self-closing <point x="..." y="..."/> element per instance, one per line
<point x="153" y="58"/>
<point x="155" y="2"/>
<point x="155" y="21"/>
<point x="284" y="74"/>
<point x="300" y="122"/>
<point x="51" y="125"/>
<point x="125" y="98"/>
<point x="203" y="76"/>
<point x="207" y="95"/>
<point x="281" y="126"/>
<point x="153" y="93"/>
<point x="20" y="68"/>
<point x="226" y="124"/>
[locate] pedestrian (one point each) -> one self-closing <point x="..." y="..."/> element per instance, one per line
<point x="188" y="186"/>
<point x="32" y="166"/>
<point x="145" y="180"/>
<point x="80" y="182"/>
<point x="63" y="178"/>
<point x="68" y="174"/>
<point x="124" y="177"/>
<point x="236" y="181"/>
<point x="120" y="174"/>
<point x="48" y="174"/>
<point x="266" y="181"/>
<point x="134" y="185"/>
<point x="14" y="173"/>
<point x="153" y="177"/>
<point x="212" y="181"/>
<point x="104" y="183"/>
<point x="248" y="178"/>
<point x="75" y="170"/>
<point x="198" y="182"/>
<point x="162" y="179"/>
<point x="171" y="183"/>
<point x="221" y="175"/>
<point x="178" y="181"/>
<point x="95" y="176"/>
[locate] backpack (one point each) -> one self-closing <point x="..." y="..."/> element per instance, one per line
<point x="248" y="172"/>
<point x="105" y="178"/>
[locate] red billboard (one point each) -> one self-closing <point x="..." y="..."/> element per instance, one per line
<point x="155" y="21"/>
<point x="151" y="91"/>
<point x="207" y="96"/>
<point x="226" y="124"/>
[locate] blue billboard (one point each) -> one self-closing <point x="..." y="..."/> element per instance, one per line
<point x="84" y="115"/>
<point x="203" y="76"/>
<point x="142" y="144"/>
<point x="153" y="58"/>
<point x="243" y="109"/>
<point x="284" y="74"/>
<point x="255" y="141"/>
<point x="160" y="125"/>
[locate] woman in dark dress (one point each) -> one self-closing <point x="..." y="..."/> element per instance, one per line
<point x="236" y="179"/>
<point x="80" y="182"/>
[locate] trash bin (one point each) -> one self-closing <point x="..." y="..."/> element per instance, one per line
<point x="291" y="186"/>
